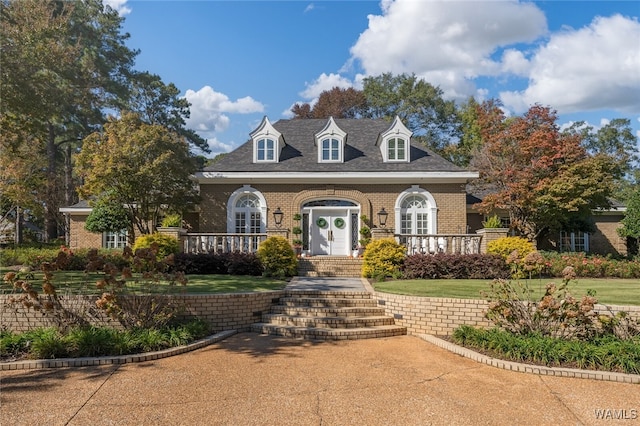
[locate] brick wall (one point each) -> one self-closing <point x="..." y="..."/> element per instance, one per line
<point x="606" y="239"/>
<point x="80" y="237"/>
<point x="223" y="311"/>
<point x="421" y="315"/>
<point x="450" y="199"/>
<point x="441" y="316"/>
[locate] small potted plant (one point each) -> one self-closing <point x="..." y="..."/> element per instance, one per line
<point x="365" y="235"/>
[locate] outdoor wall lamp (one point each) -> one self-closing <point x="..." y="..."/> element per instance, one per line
<point x="382" y="217"/>
<point x="277" y="217"/>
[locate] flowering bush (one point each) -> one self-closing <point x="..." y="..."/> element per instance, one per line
<point x="591" y="266"/>
<point x="557" y="314"/>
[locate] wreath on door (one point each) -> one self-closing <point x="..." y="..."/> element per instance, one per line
<point x="321" y="222"/>
<point x="339" y="222"/>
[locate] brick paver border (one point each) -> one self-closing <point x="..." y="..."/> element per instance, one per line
<point x="121" y="359"/>
<point x="529" y="368"/>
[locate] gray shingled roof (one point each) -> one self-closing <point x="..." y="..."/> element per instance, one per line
<point x="361" y="153"/>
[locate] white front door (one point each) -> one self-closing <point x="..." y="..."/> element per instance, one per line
<point x="330" y="232"/>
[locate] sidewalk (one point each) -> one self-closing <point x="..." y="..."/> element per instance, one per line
<point x="251" y="379"/>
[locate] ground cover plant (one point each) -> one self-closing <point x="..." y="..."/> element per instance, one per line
<point x="557" y="328"/>
<point x="90" y="341"/>
<point x="603" y="353"/>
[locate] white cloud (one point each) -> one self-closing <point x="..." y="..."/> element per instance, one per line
<point x="323" y="83"/>
<point x="592" y="68"/>
<point x="447" y="42"/>
<point x="209" y="110"/>
<point x="118" y="5"/>
<point x="218" y="147"/>
<point x="309" y="7"/>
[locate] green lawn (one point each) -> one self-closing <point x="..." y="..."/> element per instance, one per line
<point x="614" y="291"/>
<point x="79" y="282"/>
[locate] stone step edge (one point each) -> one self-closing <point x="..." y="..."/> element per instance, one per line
<point x="328" y="294"/>
<point x="278" y="318"/>
<point x="330" y="331"/>
<point x="345" y="311"/>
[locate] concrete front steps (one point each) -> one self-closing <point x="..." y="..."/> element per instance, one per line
<point x="328" y="315"/>
<point x="330" y="266"/>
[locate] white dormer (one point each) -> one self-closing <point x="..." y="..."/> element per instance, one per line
<point x="330" y="142"/>
<point x="267" y="143"/>
<point x="395" y="143"/>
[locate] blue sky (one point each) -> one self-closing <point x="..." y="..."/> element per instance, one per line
<point x="237" y="61"/>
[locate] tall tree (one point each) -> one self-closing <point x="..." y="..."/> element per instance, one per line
<point x="63" y="63"/>
<point x="545" y="179"/>
<point x="470" y="135"/>
<point x="631" y="223"/>
<point x="616" y="140"/>
<point x="336" y="103"/>
<point x="146" y="168"/>
<point x="159" y="103"/>
<point x="419" y="104"/>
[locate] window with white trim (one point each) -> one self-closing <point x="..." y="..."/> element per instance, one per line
<point x="112" y="240"/>
<point x="246" y="211"/>
<point x="267" y="143"/>
<point x="574" y="241"/>
<point x="330" y="142"/>
<point x="395" y="143"/>
<point x="330" y="150"/>
<point x="265" y="151"/>
<point x="248" y="215"/>
<point x="414" y="215"/>
<point x="416" y="212"/>
<point x="396" y="149"/>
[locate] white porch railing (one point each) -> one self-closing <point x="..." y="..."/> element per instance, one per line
<point x="440" y="243"/>
<point x="222" y="243"/>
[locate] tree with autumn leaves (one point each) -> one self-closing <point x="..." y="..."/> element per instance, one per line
<point x="146" y="168"/>
<point x="544" y="178"/>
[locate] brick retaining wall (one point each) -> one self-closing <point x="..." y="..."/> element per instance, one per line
<point x="237" y="311"/>
<point x="233" y="311"/>
<point x="441" y="316"/>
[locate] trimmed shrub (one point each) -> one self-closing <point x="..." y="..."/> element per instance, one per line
<point x="383" y="258"/>
<point x="455" y="266"/>
<point x="277" y="257"/>
<point x="505" y="246"/>
<point x="163" y="245"/>
<point x="242" y="263"/>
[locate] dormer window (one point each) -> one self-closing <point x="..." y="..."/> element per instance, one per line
<point x="330" y="142"/>
<point x="396" y="149"/>
<point x="331" y="150"/>
<point x="267" y="143"/>
<point x="266" y="150"/>
<point x="395" y="143"/>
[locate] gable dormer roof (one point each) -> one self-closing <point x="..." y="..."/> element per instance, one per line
<point x="331" y="141"/>
<point x="267" y="143"/>
<point x="361" y="155"/>
<point x="395" y="143"/>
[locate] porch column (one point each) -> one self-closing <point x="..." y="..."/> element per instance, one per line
<point x="179" y="234"/>
<point x="381" y="233"/>
<point x="490" y="234"/>
<point x="278" y="232"/>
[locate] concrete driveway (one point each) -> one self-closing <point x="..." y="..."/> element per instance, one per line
<point x="251" y="379"/>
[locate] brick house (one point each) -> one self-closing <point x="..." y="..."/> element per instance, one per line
<point x="328" y="179"/>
